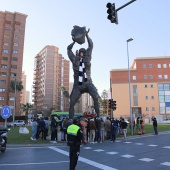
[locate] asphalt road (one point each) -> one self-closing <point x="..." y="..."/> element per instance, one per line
<point x="150" y="152"/>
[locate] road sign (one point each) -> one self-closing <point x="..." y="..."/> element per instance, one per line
<point x="6" y="112"/>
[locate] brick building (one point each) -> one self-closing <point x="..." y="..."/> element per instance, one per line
<point x="150" y="88"/>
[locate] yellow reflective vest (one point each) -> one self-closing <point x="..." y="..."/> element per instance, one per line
<point x="73" y="129"/>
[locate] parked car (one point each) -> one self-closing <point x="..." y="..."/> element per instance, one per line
<point x="17" y="123"/>
<point x="167" y="120"/>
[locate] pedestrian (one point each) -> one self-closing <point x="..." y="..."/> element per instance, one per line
<point x="155" y="125"/>
<point x="113" y="130"/>
<point x="53" y="130"/>
<point x="74" y="139"/>
<point x="41" y="128"/>
<point x="34" y="129"/>
<point x="124" y="126"/>
<point x="92" y="128"/>
<point x="98" y="127"/>
<point x="107" y="127"/>
<point x="102" y="131"/>
<point x="46" y="127"/>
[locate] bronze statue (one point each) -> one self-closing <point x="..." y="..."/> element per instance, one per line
<point x="81" y="62"/>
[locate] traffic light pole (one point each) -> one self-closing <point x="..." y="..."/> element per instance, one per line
<point x="125" y="5"/>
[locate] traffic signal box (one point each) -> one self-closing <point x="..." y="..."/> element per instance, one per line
<point x="112" y="13"/>
<point x="112" y="104"/>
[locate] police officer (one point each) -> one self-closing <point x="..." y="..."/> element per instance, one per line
<point x="74" y="138"/>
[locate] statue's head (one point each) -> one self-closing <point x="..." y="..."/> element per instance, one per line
<point x="82" y="52"/>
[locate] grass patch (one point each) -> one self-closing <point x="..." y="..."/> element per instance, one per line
<point x="15" y="138"/>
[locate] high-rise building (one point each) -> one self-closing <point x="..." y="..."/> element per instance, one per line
<point x="51" y="71"/>
<point x="12" y="33"/>
<point x="149" y="84"/>
<point x="28" y="97"/>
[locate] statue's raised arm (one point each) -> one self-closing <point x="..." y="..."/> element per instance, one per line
<point x="90" y="44"/>
<point x="70" y="52"/>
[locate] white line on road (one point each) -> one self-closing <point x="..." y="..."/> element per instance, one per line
<point x="84" y="160"/>
<point x="35" y="163"/>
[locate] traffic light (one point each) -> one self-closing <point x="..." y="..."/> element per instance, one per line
<point x="110" y="103"/>
<point x="112" y="13"/>
<point x="114" y="105"/>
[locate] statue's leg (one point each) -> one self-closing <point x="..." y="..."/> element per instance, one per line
<point x="94" y="94"/>
<point x="74" y="97"/>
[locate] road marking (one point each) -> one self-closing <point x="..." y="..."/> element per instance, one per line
<point x="138" y="143"/>
<point x="146" y="159"/>
<point x="127" y="142"/>
<point x="112" y="153"/>
<point x="35" y="163"/>
<point x="87" y="147"/>
<point x="127" y="156"/>
<point x="166" y="163"/>
<point x="153" y="145"/>
<point x="166" y="147"/>
<point x="84" y="160"/>
<point x="99" y="150"/>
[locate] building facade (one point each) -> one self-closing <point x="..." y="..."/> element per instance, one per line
<point x="149" y="86"/>
<point x="12" y="26"/>
<point x="51" y="71"/>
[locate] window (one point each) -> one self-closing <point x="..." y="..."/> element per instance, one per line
<point x="3" y="74"/>
<point x="7" y="29"/>
<point x="5" y="43"/>
<point x="5" y="58"/>
<point x="167" y="98"/>
<point x="16" y="36"/>
<point x="145" y="77"/>
<point x="151" y="86"/>
<point x="152" y="97"/>
<point x="134" y="77"/>
<point x="5" y="51"/>
<point x="11" y="98"/>
<point x="151" y="77"/>
<point x="165" y="76"/>
<point x="14" y="59"/>
<point x="2" y="82"/>
<point x="146" y="97"/>
<point x="159" y="76"/>
<point x="13" y="74"/>
<point x="167" y="87"/>
<point x="16" y="44"/>
<point x="2" y="90"/>
<point x="147" y="108"/>
<point x="16" y="29"/>
<point x="161" y="98"/>
<point x="6" y="36"/>
<point x="160" y="86"/>
<point x="2" y="98"/>
<point x="144" y="65"/>
<point x="159" y="65"/>
<point x="146" y="86"/>
<point x="164" y="66"/>
<point x="153" y="108"/>
<point x="15" y="51"/>
<point x="14" y="66"/>
<point x="150" y="65"/>
<point x="3" y="66"/>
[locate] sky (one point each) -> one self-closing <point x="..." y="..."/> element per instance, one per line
<point x="50" y="23"/>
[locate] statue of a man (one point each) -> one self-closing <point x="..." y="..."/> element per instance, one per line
<point x="81" y="62"/>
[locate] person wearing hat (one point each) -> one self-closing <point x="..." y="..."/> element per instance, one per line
<point x="74" y="139"/>
<point x="81" y="62"/>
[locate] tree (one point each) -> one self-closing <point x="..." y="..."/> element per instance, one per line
<point x="104" y="101"/>
<point x="65" y="92"/>
<point x="19" y="85"/>
<point x="27" y="108"/>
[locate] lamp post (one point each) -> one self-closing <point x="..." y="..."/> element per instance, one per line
<point x="14" y="103"/>
<point x="130" y="101"/>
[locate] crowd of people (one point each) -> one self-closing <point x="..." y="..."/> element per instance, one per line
<point x="95" y="130"/>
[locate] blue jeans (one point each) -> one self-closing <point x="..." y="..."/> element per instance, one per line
<point x="34" y="134"/>
<point x="155" y="130"/>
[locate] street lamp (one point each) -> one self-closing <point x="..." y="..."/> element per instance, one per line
<point x="131" y="118"/>
<point x="14" y="103"/>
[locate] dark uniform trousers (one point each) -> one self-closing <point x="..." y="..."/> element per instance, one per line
<point x="74" y="154"/>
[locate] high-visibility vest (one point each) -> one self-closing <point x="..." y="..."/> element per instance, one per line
<point x="72" y="130"/>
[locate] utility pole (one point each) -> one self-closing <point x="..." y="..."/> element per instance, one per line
<point x="14" y="103"/>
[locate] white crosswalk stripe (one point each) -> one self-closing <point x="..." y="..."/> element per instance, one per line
<point x="127" y="156"/>
<point x="146" y="159"/>
<point x="112" y="153"/>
